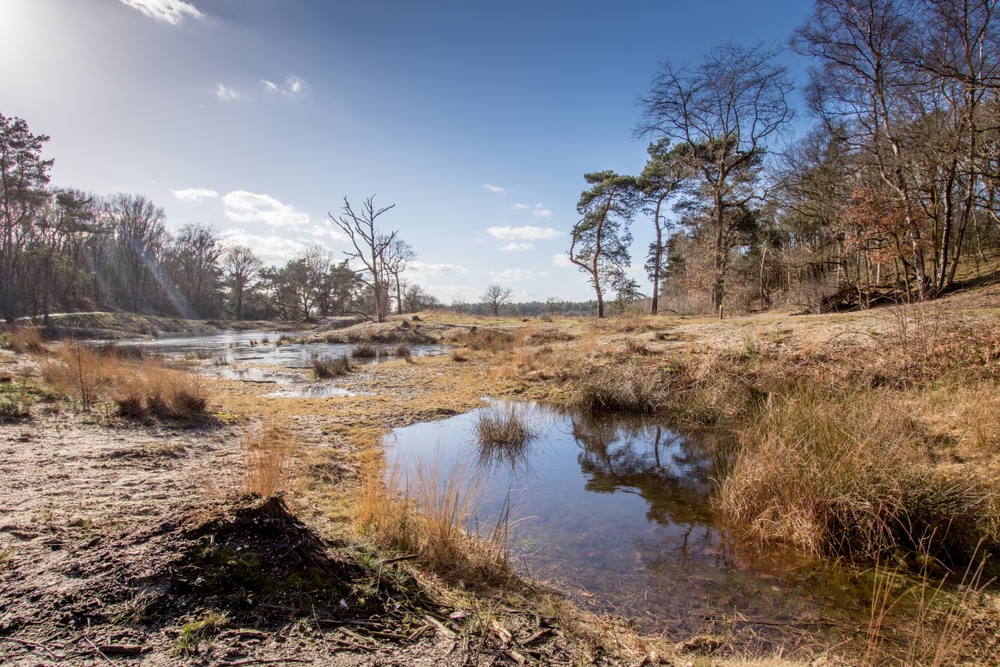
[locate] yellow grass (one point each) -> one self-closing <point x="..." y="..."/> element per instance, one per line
<point x="270" y="450"/>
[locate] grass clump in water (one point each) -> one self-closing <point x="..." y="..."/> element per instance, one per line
<point x="326" y="367"/>
<point x="364" y="351"/>
<point x="501" y="425"/>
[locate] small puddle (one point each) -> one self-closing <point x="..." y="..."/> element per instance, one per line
<point x="617" y="515"/>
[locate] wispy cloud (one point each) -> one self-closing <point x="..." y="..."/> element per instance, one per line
<point x="166" y="11"/>
<point x="243" y="206"/>
<point x="293" y="88"/>
<point x="514" y="247"/>
<point x="562" y="260"/>
<point x="226" y="94"/>
<point x="496" y="189"/>
<point x="515" y="275"/>
<point x="526" y="233"/>
<point x="537" y="209"/>
<point x="425" y="270"/>
<point x="195" y="194"/>
<point x="272" y="249"/>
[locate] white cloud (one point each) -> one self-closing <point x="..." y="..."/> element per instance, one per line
<point x="496" y="189"/>
<point x="514" y="247"/>
<point x="562" y="260"/>
<point x="195" y="194"/>
<point x="542" y="213"/>
<point x="272" y="249"/>
<point x="166" y="11"/>
<point x="293" y="88"/>
<point x="226" y="94"/>
<point x="514" y="275"/>
<point x="423" y="270"/>
<point x="328" y="229"/>
<point x="521" y="207"/>
<point x="243" y="206"/>
<point x="527" y="233"/>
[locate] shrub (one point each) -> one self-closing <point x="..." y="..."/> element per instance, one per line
<point x="15" y="402"/>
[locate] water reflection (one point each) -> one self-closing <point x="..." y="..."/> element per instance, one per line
<point x="618" y="515"/>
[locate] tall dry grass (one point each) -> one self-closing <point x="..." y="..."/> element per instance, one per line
<point x="24" y="340"/>
<point x="431" y="514"/>
<point x="136" y="387"/>
<point x="269" y="453"/>
<point x="846" y="473"/>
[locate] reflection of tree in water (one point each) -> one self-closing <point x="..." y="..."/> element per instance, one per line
<point x="672" y="472"/>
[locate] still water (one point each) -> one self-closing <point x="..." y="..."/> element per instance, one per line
<point x="617" y="515"/>
<point x="257" y="354"/>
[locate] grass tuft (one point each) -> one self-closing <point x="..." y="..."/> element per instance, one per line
<point x="364" y="351"/>
<point x="503" y="425"/>
<point x="24" y="340"/>
<point x="628" y="389"/>
<point x="269" y="453"/>
<point x="326" y="367"/>
<point x="431" y="515"/>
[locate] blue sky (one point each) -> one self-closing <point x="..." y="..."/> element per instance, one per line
<point x="476" y="119"/>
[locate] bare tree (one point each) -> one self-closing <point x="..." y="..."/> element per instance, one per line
<point x="193" y="259"/>
<point x="495" y="297"/>
<point x="371" y="248"/>
<point x="240" y="268"/>
<point x="398" y="256"/>
<point x="724" y="111"/>
<point x="138" y="235"/>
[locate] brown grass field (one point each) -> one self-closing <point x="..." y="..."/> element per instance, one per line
<point x="868" y="437"/>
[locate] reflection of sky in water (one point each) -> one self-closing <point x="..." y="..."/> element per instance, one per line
<point x="621" y="511"/>
<point x="245" y="347"/>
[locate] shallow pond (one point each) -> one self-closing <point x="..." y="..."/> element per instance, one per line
<point x="617" y="515"/>
<point x="252" y="350"/>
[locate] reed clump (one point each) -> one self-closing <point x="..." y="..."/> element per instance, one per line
<point x="431" y="515"/>
<point x="327" y="367"/>
<point x="504" y="425"/>
<point x="269" y="452"/>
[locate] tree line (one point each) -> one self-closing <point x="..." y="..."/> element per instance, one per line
<point x="893" y="189"/>
<point x="67" y="250"/>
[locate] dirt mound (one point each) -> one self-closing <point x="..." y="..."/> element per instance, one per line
<point x="246" y="562"/>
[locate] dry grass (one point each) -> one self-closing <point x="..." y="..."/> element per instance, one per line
<point x="622" y="388"/>
<point x="488" y="340"/>
<point x="270" y="450"/>
<point x="326" y="367"/>
<point x="431" y="515"/>
<point x="846" y="474"/>
<point x="364" y="351"/>
<point x="24" y="340"/>
<point x="504" y="425"/>
<point x="143" y="388"/>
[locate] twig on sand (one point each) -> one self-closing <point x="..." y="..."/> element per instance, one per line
<point x="99" y="651"/>
<point x="263" y="661"/>
<point x="25" y="642"/>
